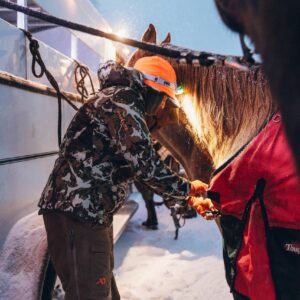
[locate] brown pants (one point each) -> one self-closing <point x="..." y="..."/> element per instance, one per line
<point x="82" y="256"/>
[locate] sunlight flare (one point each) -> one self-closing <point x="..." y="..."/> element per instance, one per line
<point x="191" y="109"/>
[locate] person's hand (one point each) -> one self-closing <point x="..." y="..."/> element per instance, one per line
<point x="197" y="188"/>
<point x="204" y="207"/>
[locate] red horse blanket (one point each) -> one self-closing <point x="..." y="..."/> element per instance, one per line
<point x="258" y="193"/>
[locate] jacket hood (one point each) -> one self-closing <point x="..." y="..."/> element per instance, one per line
<point x="111" y="73"/>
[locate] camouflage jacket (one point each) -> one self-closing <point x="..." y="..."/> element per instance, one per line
<point x="107" y="144"/>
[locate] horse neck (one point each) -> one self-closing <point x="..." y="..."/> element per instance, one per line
<point x="183" y="146"/>
<point x="229" y="107"/>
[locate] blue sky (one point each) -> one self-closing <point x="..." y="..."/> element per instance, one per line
<point x="193" y="23"/>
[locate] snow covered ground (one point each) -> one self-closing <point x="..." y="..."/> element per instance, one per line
<point x="149" y="265"/>
<point x="152" y="265"/>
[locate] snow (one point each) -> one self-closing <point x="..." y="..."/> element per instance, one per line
<point x="152" y="265"/>
<point x="22" y="259"/>
<point x="149" y="265"/>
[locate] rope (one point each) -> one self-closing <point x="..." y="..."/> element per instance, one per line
<point x="176" y="214"/>
<point x="37" y="59"/>
<point x="81" y="72"/>
<point x="202" y="58"/>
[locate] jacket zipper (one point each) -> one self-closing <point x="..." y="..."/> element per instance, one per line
<point x="75" y="269"/>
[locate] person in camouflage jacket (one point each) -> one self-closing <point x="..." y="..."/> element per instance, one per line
<point x="106" y="145"/>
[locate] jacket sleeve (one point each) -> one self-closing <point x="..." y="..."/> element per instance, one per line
<point x="133" y="141"/>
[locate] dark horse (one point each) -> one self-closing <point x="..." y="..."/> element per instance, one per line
<point x="273" y="26"/>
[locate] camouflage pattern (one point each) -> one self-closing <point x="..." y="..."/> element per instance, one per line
<point x="107" y="144"/>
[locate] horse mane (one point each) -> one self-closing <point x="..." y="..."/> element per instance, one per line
<point x="230" y="106"/>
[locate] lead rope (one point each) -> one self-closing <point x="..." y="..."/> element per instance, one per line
<point x="179" y="209"/>
<point x="177" y="215"/>
<point x="37" y="59"/>
<point x="81" y="72"/>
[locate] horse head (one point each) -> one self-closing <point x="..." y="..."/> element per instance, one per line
<point x="174" y="130"/>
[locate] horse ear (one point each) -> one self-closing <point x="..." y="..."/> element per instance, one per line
<point x="150" y="34"/>
<point x="167" y="39"/>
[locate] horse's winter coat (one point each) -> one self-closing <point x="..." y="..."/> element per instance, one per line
<point x="258" y="193"/>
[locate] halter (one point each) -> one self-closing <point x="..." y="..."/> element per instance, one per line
<point x="166" y="83"/>
<point x="161" y="81"/>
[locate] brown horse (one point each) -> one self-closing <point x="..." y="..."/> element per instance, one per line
<point x="273" y="26"/>
<point x="222" y="110"/>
